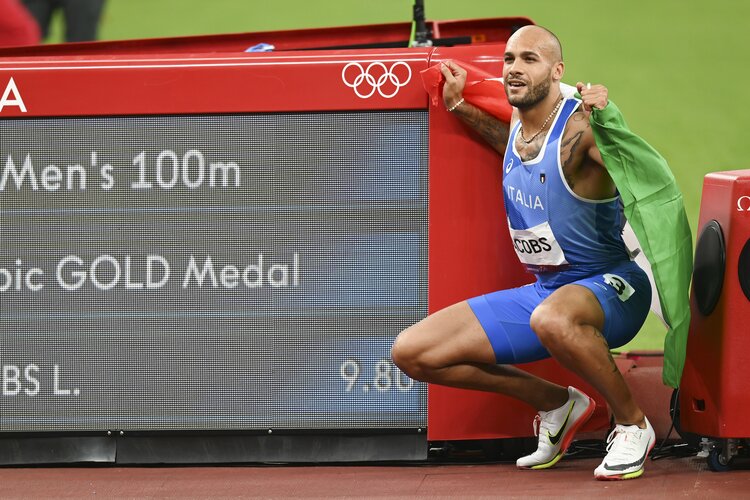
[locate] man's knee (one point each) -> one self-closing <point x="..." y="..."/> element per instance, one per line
<point x="450" y="336"/>
<point x="406" y="354"/>
<point x="554" y="328"/>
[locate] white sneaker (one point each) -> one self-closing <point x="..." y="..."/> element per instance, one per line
<point x="628" y="447"/>
<point x="556" y="429"/>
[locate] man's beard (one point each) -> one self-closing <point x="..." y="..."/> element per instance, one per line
<point x="535" y="95"/>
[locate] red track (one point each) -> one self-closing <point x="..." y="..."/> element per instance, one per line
<point x="571" y="478"/>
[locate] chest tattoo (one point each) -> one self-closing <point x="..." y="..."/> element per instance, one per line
<point x="531" y="150"/>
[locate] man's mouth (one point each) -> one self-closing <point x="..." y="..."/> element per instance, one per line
<point x="516" y="84"/>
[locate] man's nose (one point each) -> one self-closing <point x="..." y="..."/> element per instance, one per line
<point x="514" y="68"/>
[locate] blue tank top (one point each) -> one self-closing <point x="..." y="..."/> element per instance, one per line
<point x="558" y="235"/>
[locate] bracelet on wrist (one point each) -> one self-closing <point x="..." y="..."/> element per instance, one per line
<point x="460" y="102"/>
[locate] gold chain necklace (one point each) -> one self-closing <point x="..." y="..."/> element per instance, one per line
<point x="557" y="106"/>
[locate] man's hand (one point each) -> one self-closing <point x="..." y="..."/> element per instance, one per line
<point x="593" y="96"/>
<point x="492" y="130"/>
<point x="455" y="80"/>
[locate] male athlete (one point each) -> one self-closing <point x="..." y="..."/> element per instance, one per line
<point x="565" y="218"/>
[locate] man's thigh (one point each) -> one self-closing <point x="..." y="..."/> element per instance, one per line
<point x="505" y="318"/>
<point x="447" y="337"/>
<point x="624" y="294"/>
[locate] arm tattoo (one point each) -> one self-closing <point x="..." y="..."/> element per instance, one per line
<point x="492" y="130"/>
<point x="571" y="144"/>
<point x="580" y="117"/>
<point x="569" y="147"/>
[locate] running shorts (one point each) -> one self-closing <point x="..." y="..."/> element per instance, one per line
<point x="624" y="293"/>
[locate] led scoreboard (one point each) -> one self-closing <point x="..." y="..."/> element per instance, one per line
<point x="200" y="272"/>
<point x="230" y="242"/>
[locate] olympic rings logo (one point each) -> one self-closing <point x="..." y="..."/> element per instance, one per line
<point x="376" y="78"/>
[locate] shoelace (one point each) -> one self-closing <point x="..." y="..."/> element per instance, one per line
<point x="541" y="425"/>
<point x="624" y="442"/>
<point x="536" y="424"/>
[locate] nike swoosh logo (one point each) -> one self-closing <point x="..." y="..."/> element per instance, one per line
<point x="556" y="438"/>
<point x="637" y="463"/>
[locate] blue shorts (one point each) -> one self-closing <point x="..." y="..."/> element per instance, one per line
<point x="624" y="293"/>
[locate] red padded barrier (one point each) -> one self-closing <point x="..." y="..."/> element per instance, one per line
<point x="714" y="400"/>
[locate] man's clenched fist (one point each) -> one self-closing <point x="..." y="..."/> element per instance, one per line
<point x="593" y="96"/>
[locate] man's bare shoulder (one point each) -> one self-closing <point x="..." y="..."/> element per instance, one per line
<point x="578" y="123"/>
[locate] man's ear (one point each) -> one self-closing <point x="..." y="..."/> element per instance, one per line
<point x="558" y="71"/>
